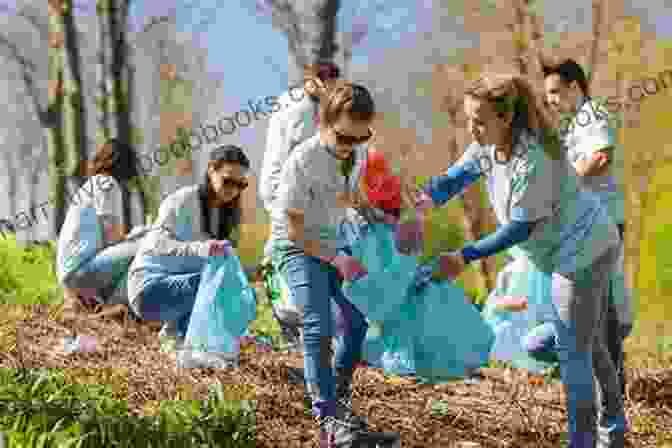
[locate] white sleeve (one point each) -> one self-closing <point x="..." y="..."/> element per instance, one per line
<point x="162" y="239"/>
<point x="273" y="158"/>
<point x="594" y="136"/>
<point x="109" y="200"/>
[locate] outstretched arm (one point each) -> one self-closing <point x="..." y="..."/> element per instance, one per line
<point x="467" y="170"/>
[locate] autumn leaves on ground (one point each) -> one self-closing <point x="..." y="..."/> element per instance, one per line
<point x="505" y="408"/>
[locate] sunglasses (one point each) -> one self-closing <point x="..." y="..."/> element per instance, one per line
<point x="352" y="140"/>
<point x="233" y="183"/>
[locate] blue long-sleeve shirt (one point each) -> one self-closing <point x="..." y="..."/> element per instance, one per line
<point x="458" y="177"/>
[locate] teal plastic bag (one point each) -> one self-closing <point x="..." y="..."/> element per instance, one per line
<point x="381" y="292"/>
<point x="451" y="337"/>
<point x="399" y="341"/>
<point x="519" y="278"/>
<point x="225" y="306"/>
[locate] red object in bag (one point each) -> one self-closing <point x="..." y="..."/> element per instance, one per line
<point x="383" y="188"/>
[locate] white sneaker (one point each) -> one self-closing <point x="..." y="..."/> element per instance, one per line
<point x="169" y="339"/>
<point x="190" y="359"/>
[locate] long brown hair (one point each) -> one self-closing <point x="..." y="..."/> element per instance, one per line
<point x="229" y="215"/>
<point x="511" y="94"/>
<point x="116" y="159"/>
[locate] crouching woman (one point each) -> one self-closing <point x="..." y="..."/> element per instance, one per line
<point x="194" y="223"/>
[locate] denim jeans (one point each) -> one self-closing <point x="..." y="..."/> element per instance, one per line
<point x="169" y="298"/>
<point x="540" y="344"/>
<point x="104" y="272"/>
<point x="314" y="282"/>
<point x="578" y="334"/>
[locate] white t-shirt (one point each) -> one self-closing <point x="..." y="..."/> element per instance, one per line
<point x="588" y="133"/>
<point x="574" y="229"/>
<point x="310" y="181"/>
<point x="287" y="128"/>
<point x="97" y="203"/>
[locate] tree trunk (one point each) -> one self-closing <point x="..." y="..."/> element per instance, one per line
<point x="102" y="74"/>
<point x="597" y="35"/>
<point x="519" y="37"/>
<point x="55" y="144"/>
<point x="120" y="116"/>
<point x="310" y="28"/>
<point x="115" y="86"/>
<point x="75" y="140"/>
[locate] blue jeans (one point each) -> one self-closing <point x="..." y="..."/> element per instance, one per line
<point x="580" y="301"/>
<point x="313" y="282"/>
<point x="170" y="298"/>
<point x="105" y="271"/>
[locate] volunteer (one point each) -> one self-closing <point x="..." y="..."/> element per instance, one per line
<point x="313" y="192"/>
<point x="92" y="254"/>
<point x="591" y="143"/>
<point x="562" y="230"/>
<point x="194" y="223"/>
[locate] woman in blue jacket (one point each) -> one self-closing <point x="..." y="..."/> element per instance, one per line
<point x="563" y="231"/>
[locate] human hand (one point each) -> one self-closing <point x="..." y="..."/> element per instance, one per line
<point x="348" y="267"/>
<point x="423" y="201"/>
<point x="220" y="248"/>
<point x="423" y="275"/>
<point x="452" y="264"/>
<point x="410" y="235"/>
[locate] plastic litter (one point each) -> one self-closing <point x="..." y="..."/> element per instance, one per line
<point x="80" y="344"/>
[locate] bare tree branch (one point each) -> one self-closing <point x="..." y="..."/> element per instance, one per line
<point x="35" y="19"/>
<point x="28" y="70"/>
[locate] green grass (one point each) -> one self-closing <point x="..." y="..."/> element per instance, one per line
<point x="41" y="408"/>
<point x="27" y="275"/>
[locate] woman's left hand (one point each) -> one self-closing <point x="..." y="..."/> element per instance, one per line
<point x="452" y="264"/>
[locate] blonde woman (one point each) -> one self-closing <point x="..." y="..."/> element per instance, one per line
<point x="563" y="231"/>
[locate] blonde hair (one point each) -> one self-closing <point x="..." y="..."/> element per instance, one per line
<point x="511" y="94"/>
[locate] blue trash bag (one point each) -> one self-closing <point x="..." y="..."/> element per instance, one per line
<point x="387" y="348"/>
<point x="225" y="306"/>
<point x="519" y="278"/>
<point x="399" y="341"/>
<point x="381" y="292"/>
<point x="451" y="337"/>
<point x="373" y="347"/>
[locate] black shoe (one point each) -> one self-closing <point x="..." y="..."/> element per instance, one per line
<point x="336" y="433"/>
<point x="344" y="409"/>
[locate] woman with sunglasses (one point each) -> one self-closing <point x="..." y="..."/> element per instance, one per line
<point x="563" y="231"/>
<point x="315" y="189"/>
<point x="194" y="223"/>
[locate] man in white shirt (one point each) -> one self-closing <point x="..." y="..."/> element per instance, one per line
<point x="295" y="122"/>
<point x="591" y="142"/>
